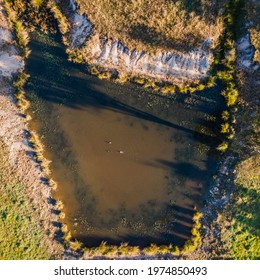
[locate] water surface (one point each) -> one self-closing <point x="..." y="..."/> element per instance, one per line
<point x="130" y="165"/>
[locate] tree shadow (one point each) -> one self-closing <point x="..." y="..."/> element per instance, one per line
<point x="58" y="81"/>
<point x="177" y="232"/>
<point x="68" y="84"/>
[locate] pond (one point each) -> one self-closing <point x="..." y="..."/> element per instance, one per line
<point x="130" y="165"/>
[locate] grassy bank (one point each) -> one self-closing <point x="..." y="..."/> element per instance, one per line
<point x="244" y="233"/>
<point x="151" y="25"/>
<point x="238" y="222"/>
<point x="21" y="233"/>
<point x="243" y="236"/>
<point x="245" y="226"/>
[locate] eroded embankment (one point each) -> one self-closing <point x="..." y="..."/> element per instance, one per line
<point x="20" y="154"/>
<point x="113" y="55"/>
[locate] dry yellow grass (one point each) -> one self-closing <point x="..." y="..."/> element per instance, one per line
<point x="153" y="24"/>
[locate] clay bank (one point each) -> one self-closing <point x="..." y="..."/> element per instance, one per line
<point x="113" y="55"/>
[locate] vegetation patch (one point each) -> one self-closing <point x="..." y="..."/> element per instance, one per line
<point x="245" y="229"/>
<point x="21" y="233"/>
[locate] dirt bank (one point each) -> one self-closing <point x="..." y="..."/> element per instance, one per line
<point x="14" y="140"/>
<point x="113" y="55"/>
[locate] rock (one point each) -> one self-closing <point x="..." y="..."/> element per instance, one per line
<point x="81" y="29"/>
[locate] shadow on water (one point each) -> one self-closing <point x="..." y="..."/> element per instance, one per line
<point x="56" y="81"/>
<point x="178" y="231"/>
<point x="75" y="88"/>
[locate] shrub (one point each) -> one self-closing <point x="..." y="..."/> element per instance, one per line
<point x="37" y="3"/>
<point x="75" y="245"/>
<point x="152" y="249"/>
<point x="225" y="116"/>
<point x="139" y="81"/>
<point x="223" y="147"/>
<point x="225" y="128"/>
<point x="104" y="75"/>
<point x="231" y="96"/>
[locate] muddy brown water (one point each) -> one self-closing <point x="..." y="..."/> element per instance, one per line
<point x="130" y="165"/>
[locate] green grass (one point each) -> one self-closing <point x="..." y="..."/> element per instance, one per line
<point x="245" y="230"/>
<point x="21" y="235"/>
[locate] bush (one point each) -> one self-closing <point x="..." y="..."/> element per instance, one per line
<point x="225" y="116"/>
<point x="225" y="128"/>
<point x="75" y="245"/>
<point x="223" y="147"/>
<point x="231" y="96"/>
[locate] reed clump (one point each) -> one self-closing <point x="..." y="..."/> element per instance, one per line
<point x="21" y="32"/>
<point x="63" y="23"/>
